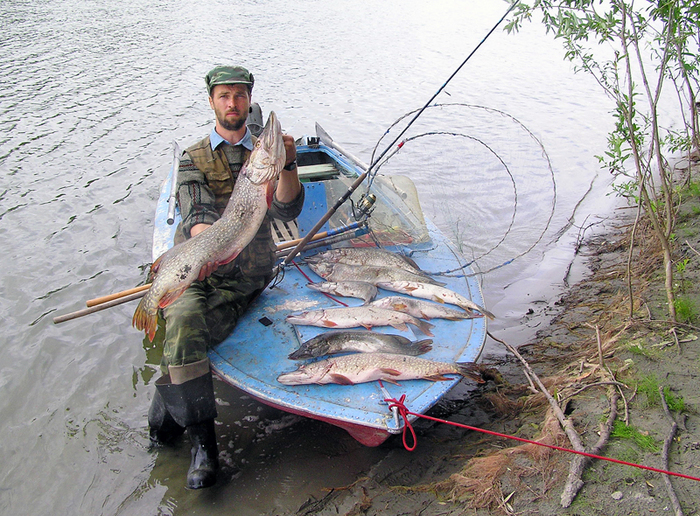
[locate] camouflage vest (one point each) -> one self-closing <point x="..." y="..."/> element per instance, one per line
<point x="220" y="168"/>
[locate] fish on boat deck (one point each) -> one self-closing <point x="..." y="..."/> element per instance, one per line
<point x="368" y="273"/>
<point x="422" y="309"/>
<point x="361" y="341"/>
<point x="434" y="293"/>
<point x="364" y="316"/>
<point x="359" y="289"/>
<point x="367" y="367"/>
<point x="366" y="256"/>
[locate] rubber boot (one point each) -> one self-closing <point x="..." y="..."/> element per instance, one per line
<point x="205" y="455"/>
<point x="162" y="428"/>
<point x="191" y="405"/>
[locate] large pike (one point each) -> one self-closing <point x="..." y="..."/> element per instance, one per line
<point x="367" y="367"/>
<point x="252" y="194"/>
<point x="362" y="341"/>
<point x="364" y="316"/>
<point x="368" y="273"/>
<point x="434" y="293"/>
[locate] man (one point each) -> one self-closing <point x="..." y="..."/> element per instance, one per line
<point x="206" y="313"/>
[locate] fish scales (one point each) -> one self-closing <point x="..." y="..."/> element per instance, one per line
<point x="368" y="273"/>
<point x="367" y="367"/>
<point x="362" y="341"/>
<point x="359" y="316"/>
<point x="179" y="267"/>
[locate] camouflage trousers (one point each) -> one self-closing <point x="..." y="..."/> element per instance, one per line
<point x="204" y="315"/>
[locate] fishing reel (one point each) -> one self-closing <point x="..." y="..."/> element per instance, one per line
<point x="364" y="206"/>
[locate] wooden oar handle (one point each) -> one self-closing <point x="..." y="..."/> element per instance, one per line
<point x="97" y="308"/>
<point x="117" y="295"/>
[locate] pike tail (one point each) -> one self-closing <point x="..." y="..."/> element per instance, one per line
<point x="470" y="370"/>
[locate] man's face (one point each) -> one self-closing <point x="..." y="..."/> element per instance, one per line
<point x="230" y="103"/>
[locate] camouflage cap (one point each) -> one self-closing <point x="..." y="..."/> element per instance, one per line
<point x="229" y="75"/>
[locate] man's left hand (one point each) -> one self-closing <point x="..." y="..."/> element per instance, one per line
<point x="290" y="149"/>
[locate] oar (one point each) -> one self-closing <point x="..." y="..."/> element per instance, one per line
<point x="97" y="308"/>
<point x="117" y="295"/>
<point x="172" y="200"/>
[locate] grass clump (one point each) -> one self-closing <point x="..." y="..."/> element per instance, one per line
<point x="686" y="310"/>
<point x="649" y="387"/>
<point x="645" y="442"/>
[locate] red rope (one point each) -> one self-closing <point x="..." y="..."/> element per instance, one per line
<point x="399" y="405"/>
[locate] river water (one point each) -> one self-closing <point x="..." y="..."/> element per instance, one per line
<point x="92" y="94"/>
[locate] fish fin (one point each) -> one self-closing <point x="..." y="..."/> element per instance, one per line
<point x="170" y="296"/>
<point x="411" y="262"/>
<point x="156" y="264"/>
<point x="230" y="258"/>
<point x="390" y="371"/>
<point x="144" y="321"/>
<point x="329" y="324"/>
<point x="423" y="316"/>
<point x="366" y="326"/>
<point x="401" y="326"/>
<point x="341" y="379"/>
<point x="470" y="370"/>
<point x="420" y="346"/>
<point x="424" y="326"/>
<point x="437" y="377"/>
<point x="269" y="193"/>
<point x="392" y="381"/>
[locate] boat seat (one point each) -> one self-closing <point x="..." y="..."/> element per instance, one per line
<point x="315" y="206"/>
<point x="319" y="171"/>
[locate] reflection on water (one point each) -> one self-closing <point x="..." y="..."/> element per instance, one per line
<point x="91" y="96"/>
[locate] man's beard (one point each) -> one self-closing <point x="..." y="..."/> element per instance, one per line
<point x="231" y="125"/>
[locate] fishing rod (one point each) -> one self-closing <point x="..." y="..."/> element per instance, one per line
<point x="355" y="185"/>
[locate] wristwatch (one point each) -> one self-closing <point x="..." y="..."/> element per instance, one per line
<point x="291" y="166"/>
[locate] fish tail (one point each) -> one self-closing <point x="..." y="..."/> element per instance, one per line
<point x="485" y="312"/>
<point x="145" y="320"/>
<point x="419" y="347"/>
<point x="424" y="326"/>
<point x="470" y="370"/>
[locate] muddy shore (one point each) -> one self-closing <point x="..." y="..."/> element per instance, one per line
<point x="592" y="352"/>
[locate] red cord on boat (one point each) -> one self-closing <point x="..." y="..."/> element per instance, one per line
<point x="399" y="405"/>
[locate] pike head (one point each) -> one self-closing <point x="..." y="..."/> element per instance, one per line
<point x="268" y="156"/>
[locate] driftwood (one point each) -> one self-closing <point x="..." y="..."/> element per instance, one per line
<point x="664" y="456"/>
<point x="578" y="464"/>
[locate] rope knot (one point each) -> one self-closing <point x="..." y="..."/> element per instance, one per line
<point x="404" y="412"/>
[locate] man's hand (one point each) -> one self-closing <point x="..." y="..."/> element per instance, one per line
<point x="210" y="267"/>
<point x="290" y="148"/>
<point x="207" y="270"/>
